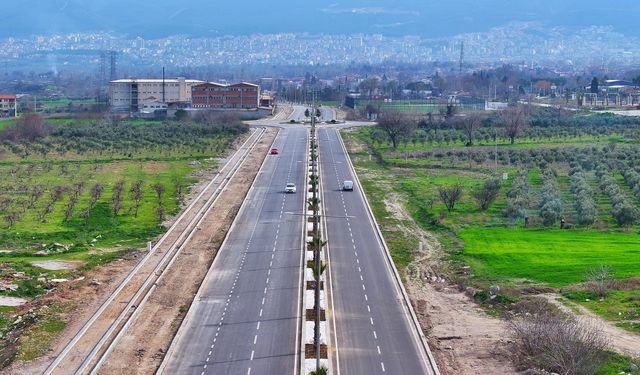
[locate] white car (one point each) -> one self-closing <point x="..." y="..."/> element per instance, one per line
<point x="347" y="185"/>
<point x="290" y="188"/>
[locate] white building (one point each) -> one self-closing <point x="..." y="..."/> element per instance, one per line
<point x="130" y="95"/>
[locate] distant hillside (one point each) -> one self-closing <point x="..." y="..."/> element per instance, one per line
<point x="428" y="18"/>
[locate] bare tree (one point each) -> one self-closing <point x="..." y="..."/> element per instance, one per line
<point x="395" y="124"/>
<point x="160" y="211"/>
<point x="514" y="121"/>
<point x="47" y="210"/>
<point x="29" y="126"/>
<point x="469" y="124"/>
<point x="12" y="218"/>
<point x="94" y="196"/>
<point x="116" y="197"/>
<point x="137" y="194"/>
<point x="450" y="196"/>
<point x="159" y="189"/>
<point x="35" y="194"/>
<point x="599" y="280"/>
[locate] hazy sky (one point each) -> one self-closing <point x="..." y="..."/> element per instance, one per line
<point x="428" y="18"/>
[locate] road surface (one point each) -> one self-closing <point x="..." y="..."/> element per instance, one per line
<point x="373" y="329"/>
<point x="247" y="314"/>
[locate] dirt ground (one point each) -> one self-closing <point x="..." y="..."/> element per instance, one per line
<point x="620" y="340"/>
<point x="462" y="338"/>
<point x="84" y="295"/>
<point x="148" y="339"/>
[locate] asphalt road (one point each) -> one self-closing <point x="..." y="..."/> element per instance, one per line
<point x="247" y="315"/>
<point x="373" y="331"/>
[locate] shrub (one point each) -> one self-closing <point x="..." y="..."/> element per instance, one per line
<point x="550" y="201"/>
<point x="487" y="193"/>
<point x="559" y="344"/>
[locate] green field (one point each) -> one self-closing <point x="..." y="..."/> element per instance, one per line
<point x="70" y="195"/>
<point x="553" y="257"/>
<point x="493" y="243"/>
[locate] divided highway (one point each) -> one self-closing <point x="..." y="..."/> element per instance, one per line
<point x="247" y="314"/>
<point x="373" y="328"/>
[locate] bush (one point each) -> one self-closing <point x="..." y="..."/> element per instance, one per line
<point x="487" y="193"/>
<point x="518" y="196"/>
<point x="559" y="344"/>
<point x="550" y="201"/>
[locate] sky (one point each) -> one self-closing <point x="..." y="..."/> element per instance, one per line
<point x="427" y="18"/>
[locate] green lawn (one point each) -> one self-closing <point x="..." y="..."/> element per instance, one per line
<point x="553" y="257"/>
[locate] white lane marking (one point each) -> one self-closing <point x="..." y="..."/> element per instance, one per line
<point x="261" y="313"/>
<point x="255" y="339"/>
<point x="368" y="308"/>
<point x="371" y="320"/>
<point x="382" y="364"/>
<point x="378" y="346"/>
<point x="366" y="298"/>
<point x="258" y="326"/>
<point x="252" y="353"/>
<point x="249" y="371"/>
<point x="375" y="335"/>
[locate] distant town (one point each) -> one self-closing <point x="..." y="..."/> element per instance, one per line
<point x="522" y="43"/>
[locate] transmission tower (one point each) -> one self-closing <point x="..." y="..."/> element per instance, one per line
<point x="461" y="57"/>
<point x="113" y="60"/>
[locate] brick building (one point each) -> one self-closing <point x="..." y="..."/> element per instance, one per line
<point x="217" y="95"/>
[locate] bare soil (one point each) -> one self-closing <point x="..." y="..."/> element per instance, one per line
<point x="148" y="338"/>
<point x="83" y="298"/>
<point x="463" y="339"/>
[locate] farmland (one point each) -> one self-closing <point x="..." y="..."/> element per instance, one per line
<point x="87" y="191"/>
<point x="566" y="198"/>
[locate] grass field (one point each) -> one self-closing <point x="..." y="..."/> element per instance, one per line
<point x="553" y="257"/>
<point x="497" y="247"/>
<point x="60" y="203"/>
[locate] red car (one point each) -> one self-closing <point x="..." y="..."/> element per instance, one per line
<point x="275" y="151"/>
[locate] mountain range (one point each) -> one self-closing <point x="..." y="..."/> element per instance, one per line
<point x="426" y="18"/>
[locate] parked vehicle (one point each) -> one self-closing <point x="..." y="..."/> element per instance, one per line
<point x="347" y="185"/>
<point x="290" y="188"/>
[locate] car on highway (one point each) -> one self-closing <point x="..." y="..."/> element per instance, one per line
<point x="274" y="151"/>
<point x="347" y="185"/>
<point x="290" y="188"/>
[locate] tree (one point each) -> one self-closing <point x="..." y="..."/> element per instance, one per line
<point x="12" y="218"/>
<point x="450" y="196"/>
<point x="514" y="121"/>
<point x="488" y="193"/>
<point x="116" y="197"/>
<point x="594" y="86"/>
<point x="29" y="126"/>
<point x="395" y="124"/>
<point x="469" y="124"/>
<point x="181" y="114"/>
<point x="159" y="189"/>
<point x="137" y="194"/>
